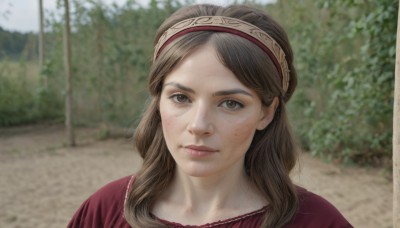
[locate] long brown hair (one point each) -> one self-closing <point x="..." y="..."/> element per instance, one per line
<point x="272" y="153"/>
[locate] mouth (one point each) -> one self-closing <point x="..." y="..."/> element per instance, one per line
<point x="201" y="148"/>
<point x="199" y="151"/>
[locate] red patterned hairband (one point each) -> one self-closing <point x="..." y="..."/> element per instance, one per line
<point x="233" y="26"/>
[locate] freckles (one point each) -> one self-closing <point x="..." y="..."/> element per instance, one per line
<point x="170" y="120"/>
<point x="242" y="132"/>
<point x="242" y="129"/>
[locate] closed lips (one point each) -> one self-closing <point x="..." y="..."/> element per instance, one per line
<point x="201" y="148"/>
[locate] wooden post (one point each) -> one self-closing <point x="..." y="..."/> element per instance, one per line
<point x="396" y="134"/>
<point x="67" y="67"/>
<point x="41" y="42"/>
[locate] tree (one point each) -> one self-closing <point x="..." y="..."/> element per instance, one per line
<point x="68" y="78"/>
<point x="396" y="135"/>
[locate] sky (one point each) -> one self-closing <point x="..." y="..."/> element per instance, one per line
<point x="22" y="15"/>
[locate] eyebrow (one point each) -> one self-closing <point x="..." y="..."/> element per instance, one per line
<point x="219" y="93"/>
<point x="232" y="91"/>
<point x="179" y="86"/>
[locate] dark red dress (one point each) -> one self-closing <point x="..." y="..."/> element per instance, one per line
<point x="105" y="208"/>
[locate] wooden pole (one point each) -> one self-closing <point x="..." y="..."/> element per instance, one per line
<point x="41" y="41"/>
<point x="396" y="134"/>
<point x="41" y="33"/>
<point x="67" y="67"/>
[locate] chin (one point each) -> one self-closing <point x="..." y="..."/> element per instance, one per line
<point x="198" y="171"/>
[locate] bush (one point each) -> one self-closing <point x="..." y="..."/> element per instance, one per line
<point x="345" y="52"/>
<point x="22" y="99"/>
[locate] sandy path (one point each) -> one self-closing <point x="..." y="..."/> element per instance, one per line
<point x="42" y="182"/>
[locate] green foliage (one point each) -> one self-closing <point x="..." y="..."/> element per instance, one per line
<point x="22" y="100"/>
<point x="345" y="54"/>
<point x="111" y="52"/>
<point x="12" y="44"/>
<point x="16" y="102"/>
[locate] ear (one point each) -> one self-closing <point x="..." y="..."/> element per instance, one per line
<point x="267" y="114"/>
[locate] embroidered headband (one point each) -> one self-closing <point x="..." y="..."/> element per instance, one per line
<point x="233" y="26"/>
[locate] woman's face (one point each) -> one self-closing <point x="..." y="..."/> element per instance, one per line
<point x="208" y="116"/>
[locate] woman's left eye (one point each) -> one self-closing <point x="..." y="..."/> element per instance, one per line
<point x="180" y="98"/>
<point x="232" y="105"/>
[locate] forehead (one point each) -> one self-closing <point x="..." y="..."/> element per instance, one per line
<point x="203" y="66"/>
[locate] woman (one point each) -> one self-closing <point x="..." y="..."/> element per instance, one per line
<point x="215" y="141"/>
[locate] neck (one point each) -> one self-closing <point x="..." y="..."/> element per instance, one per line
<point x="214" y="192"/>
<point x="200" y="200"/>
<point x="228" y="191"/>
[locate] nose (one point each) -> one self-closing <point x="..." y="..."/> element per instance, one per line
<point x="200" y="121"/>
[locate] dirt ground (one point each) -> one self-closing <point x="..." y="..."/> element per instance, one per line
<point x="42" y="182"/>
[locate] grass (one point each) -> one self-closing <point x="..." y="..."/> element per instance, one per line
<point x="28" y="71"/>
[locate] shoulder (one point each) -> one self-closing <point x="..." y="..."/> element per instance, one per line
<point x="113" y="192"/>
<point x="315" y="211"/>
<point x="105" y="207"/>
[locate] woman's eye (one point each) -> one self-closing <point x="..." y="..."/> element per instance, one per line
<point x="232" y="105"/>
<point x="180" y="98"/>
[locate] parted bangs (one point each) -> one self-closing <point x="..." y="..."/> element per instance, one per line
<point x="251" y="65"/>
<point x="172" y="55"/>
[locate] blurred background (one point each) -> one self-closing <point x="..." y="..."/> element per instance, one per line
<point x="344" y="53"/>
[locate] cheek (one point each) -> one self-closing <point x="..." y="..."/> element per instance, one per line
<point x="242" y="132"/>
<point x="169" y="119"/>
<point x="167" y="124"/>
<point x="166" y="120"/>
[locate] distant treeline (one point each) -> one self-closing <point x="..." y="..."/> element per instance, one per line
<point x="14" y="45"/>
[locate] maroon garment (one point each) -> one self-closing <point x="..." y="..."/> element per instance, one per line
<point x="105" y="208"/>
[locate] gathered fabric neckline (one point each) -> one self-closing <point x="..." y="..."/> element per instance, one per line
<point x="217" y="223"/>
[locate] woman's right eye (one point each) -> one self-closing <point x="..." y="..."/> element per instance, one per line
<point x="179" y="98"/>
